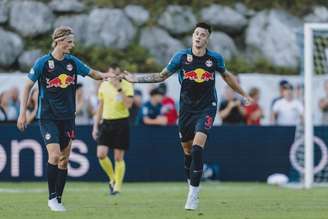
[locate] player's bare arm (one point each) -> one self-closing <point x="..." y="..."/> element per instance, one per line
<point x="148" y="77"/>
<point x="21" y="122"/>
<point x="97" y="75"/>
<point x="230" y="79"/>
<point x="97" y="119"/>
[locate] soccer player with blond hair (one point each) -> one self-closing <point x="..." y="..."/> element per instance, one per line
<point x="56" y="74"/>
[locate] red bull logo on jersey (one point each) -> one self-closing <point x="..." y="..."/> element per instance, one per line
<point x="199" y="75"/>
<point x="62" y="81"/>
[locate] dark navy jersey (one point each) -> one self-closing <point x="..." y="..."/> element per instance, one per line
<point x="197" y="78"/>
<point x="57" y="85"/>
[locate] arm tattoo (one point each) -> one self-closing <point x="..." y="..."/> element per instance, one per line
<point x="152" y="77"/>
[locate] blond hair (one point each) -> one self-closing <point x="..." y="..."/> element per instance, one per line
<point x="60" y="33"/>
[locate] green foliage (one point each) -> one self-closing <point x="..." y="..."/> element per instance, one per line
<point x="134" y="58"/>
<point x="42" y="42"/>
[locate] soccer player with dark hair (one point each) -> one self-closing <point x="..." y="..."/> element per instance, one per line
<point x="56" y="74"/>
<point x="196" y="69"/>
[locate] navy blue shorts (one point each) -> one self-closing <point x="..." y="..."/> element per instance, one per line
<point x="57" y="131"/>
<point x="191" y="122"/>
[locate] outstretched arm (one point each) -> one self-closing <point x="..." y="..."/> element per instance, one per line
<point x="147" y="77"/>
<point x="21" y="122"/>
<point x="230" y="79"/>
<point x="97" y="75"/>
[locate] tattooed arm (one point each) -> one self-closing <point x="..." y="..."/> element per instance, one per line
<point x="147" y="77"/>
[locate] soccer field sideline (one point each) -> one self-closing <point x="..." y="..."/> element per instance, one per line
<point x="165" y="200"/>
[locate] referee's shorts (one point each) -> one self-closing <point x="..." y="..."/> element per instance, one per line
<point x="114" y="133"/>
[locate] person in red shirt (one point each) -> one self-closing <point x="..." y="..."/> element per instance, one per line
<point x="253" y="112"/>
<point x="168" y="104"/>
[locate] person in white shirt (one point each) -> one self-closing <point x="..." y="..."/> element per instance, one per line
<point x="287" y="110"/>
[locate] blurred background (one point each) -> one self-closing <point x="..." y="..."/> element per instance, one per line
<point x="261" y="41"/>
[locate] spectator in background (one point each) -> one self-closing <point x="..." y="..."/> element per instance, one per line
<point x="14" y="99"/>
<point x="3" y="115"/>
<point x="287" y="110"/>
<point x="136" y="106"/>
<point x="299" y="92"/>
<point x="323" y="104"/>
<point x="82" y="115"/>
<point x="231" y="110"/>
<point x="9" y="109"/>
<point x="151" y="111"/>
<point x="168" y="103"/>
<point x="282" y="83"/>
<point x="32" y="106"/>
<point x="253" y="111"/>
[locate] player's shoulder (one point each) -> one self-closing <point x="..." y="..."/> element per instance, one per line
<point x="125" y="83"/>
<point x="42" y="60"/>
<point x="215" y="54"/>
<point x="182" y="52"/>
<point x="71" y="57"/>
<point x="280" y="103"/>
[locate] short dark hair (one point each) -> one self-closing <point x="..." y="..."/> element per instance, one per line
<point x="205" y="26"/>
<point x="155" y="91"/>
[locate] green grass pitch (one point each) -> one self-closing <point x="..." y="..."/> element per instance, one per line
<point x="165" y="200"/>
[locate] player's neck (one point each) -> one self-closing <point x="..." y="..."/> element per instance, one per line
<point x="58" y="54"/>
<point x="198" y="51"/>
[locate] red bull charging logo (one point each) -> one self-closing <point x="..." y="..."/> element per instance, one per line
<point x="62" y="81"/>
<point x="199" y="75"/>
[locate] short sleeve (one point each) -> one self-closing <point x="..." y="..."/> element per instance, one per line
<point x="128" y="89"/>
<point x="220" y="65"/>
<point x="275" y="107"/>
<point x="82" y="68"/>
<point x="175" y="62"/>
<point x="36" y="70"/>
<point x="100" y="92"/>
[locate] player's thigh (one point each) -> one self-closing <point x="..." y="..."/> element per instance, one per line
<point x="204" y="125"/>
<point x="66" y="133"/>
<point x="102" y="151"/>
<point x="49" y="132"/>
<point x="53" y="150"/>
<point x="200" y="139"/>
<point x="187" y="122"/>
<point x="66" y="151"/>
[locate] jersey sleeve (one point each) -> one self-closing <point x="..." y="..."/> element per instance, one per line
<point x="128" y="89"/>
<point x="175" y="62"/>
<point x="275" y="107"/>
<point x="36" y="70"/>
<point x="82" y="68"/>
<point x="220" y="65"/>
